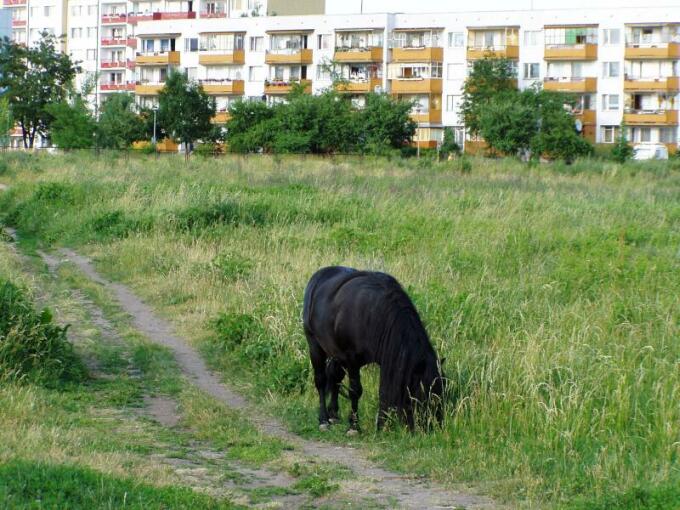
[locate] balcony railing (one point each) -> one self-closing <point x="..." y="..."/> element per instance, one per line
<point x="221" y="57"/>
<point x="18" y="22"/>
<point x="650" y="117"/>
<point x="157" y="16"/>
<point x="289" y="56"/>
<point x="130" y="42"/>
<point x="284" y="87"/>
<point x="571" y="52"/>
<point x="158" y="58"/>
<point x="419" y="54"/>
<point x="653" y="51"/>
<point x="367" y="54"/>
<point x="359" y="85"/>
<point x="421" y="85"/>
<point x="206" y="14"/>
<point x="14" y="3"/>
<point x="501" y="51"/>
<point x="117" y="86"/>
<point x="117" y="64"/>
<point x="148" y="88"/>
<point x="114" y="19"/>
<point x="221" y="117"/>
<point x="570" y="84"/>
<point x="635" y="84"/>
<point x="222" y="87"/>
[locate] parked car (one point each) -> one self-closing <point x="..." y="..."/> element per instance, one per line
<point x="645" y="151"/>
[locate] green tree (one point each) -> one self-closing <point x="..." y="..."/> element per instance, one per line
<point x="384" y="123"/>
<point x="622" y="151"/>
<point x="488" y="78"/>
<point x="72" y="125"/>
<point x="119" y="124"/>
<point x="35" y="78"/>
<point x="449" y="145"/>
<point x="6" y="121"/>
<point x="185" y="110"/>
<point x="248" y="126"/>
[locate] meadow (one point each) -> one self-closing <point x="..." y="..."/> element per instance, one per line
<point x="553" y="292"/>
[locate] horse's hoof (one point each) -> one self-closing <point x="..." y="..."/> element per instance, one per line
<point x="323" y="427"/>
<point x="352" y="432"/>
<point x="334" y="421"/>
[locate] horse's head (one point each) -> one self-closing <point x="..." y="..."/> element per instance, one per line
<point x="427" y="387"/>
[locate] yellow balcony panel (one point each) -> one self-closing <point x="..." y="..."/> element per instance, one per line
<point x="278" y="88"/>
<point x="660" y="118"/>
<point x="416" y="86"/>
<point x="304" y="56"/>
<point x="359" y="55"/>
<point x="417" y="54"/>
<point x="148" y="89"/>
<point x="362" y="87"/>
<point x="575" y="85"/>
<point x="167" y="58"/>
<point x="221" y="118"/>
<point x="226" y="58"/>
<point x="511" y="52"/>
<point x="672" y="147"/>
<point x="233" y="87"/>
<point x="587" y="117"/>
<point x="670" y="84"/>
<point x="668" y="51"/>
<point x="431" y="117"/>
<point x="571" y="52"/>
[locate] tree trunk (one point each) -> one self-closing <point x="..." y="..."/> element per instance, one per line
<point x="24" y="135"/>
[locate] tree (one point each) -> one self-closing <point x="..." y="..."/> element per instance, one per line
<point x="185" y="110"/>
<point x="384" y="123"/>
<point x="622" y="150"/>
<point x="449" y="144"/>
<point x="6" y="121"/>
<point x="72" y="125"/>
<point x="488" y="78"/>
<point x="119" y="125"/>
<point x="34" y="78"/>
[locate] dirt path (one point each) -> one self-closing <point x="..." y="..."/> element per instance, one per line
<point x="384" y="485"/>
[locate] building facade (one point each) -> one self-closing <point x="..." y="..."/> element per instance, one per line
<point x="621" y="64"/>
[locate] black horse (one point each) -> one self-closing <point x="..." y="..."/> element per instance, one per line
<point x="353" y="318"/>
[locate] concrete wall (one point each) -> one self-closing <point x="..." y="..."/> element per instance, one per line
<point x="295" y="7"/>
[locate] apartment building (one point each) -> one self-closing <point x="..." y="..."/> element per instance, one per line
<point x="621" y="65"/>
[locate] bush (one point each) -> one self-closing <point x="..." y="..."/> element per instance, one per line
<point x="233" y="329"/>
<point x="31" y="346"/>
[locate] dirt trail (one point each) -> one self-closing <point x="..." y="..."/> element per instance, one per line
<point x="405" y="492"/>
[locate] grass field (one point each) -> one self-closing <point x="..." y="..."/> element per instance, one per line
<point x="553" y="292"/>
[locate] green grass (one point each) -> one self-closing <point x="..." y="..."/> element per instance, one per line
<point x="552" y="291"/>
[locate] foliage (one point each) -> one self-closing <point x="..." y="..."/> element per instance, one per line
<point x="488" y="78"/>
<point x="31" y="346"/>
<point x="319" y="124"/>
<point x="622" y="151"/>
<point x="449" y="145"/>
<point x="185" y="110"/>
<point x="35" y="78"/>
<point x="119" y="125"/>
<point x="6" y="121"/>
<point x="72" y="124"/>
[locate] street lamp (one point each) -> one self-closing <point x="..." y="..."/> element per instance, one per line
<point x="153" y="139"/>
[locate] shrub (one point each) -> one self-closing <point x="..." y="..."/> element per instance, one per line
<point x="233" y="329"/>
<point x="31" y="346"/>
<point x="231" y="267"/>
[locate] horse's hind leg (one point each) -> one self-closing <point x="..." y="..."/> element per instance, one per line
<point x="355" y="391"/>
<point x="318" y="358"/>
<point x="335" y="373"/>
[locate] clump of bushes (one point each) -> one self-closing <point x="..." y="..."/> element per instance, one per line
<point x="32" y="347"/>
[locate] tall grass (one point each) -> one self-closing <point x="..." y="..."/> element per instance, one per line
<point x="552" y="291"/>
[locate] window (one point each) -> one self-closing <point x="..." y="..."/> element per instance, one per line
<point x="456" y="40"/>
<point x="91" y="10"/>
<point x="532" y="71"/>
<point x="323" y="41"/>
<point x="35" y="11"/>
<point x="531" y="37"/>
<point x="91" y="54"/>
<point x="609" y="134"/>
<point x="76" y="10"/>
<point x="76" y="33"/>
<point x="255" y="73"/>
<point x="148" y="45"/>
<point x="191" y="44"/>
<point x="611" y="36"/>
<point x="645" y="134"/>
<point x="323" y="73"/>
<point x="256" y="43"/>
<point x="191" y="73"/>
<point x="668" y="135"/>
<point x="91" y="32"/>
<point x="455" y="71"/>
<point x="611" y="69"/>
<point x="610" y="102"/>
<point x="47" y="11"/>
<point x="453" y="103"/>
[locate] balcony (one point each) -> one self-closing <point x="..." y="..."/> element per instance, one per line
<point x="571" y="85"/>
<point x="221" y="118"/>
<point x="661" y="51"/>
<point x="284" y="87"/>
<point x="130" y="42"/>
<point x="148" y="88"/>
<point x="225" y="57"/>
<point x="358" y="86"/>
<point x="299" y="56"/>
<point x="158" y="59"/>
<point x="670" y="84"/>
<point x="115" y="87"/>
<point x="432" y="117"/>
<point x="14" y="3"/>
<point x="478" y="52"/>
<point x="117" y="64"/>
<point x="571" y="52"/>
<point x="206" y="14"/>
<point x="18" y="23"/>
<point x="650" y="118"/>
<point x="416" y="85"/>
<point x="587" y="117"/>
<point x="374" y="54"/>
<point x="417" y="54"/>
<point x="114" y="19"/>
<point x="223" y="87"/>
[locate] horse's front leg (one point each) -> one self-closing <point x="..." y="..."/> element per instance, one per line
<point x="355" y="391"/>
